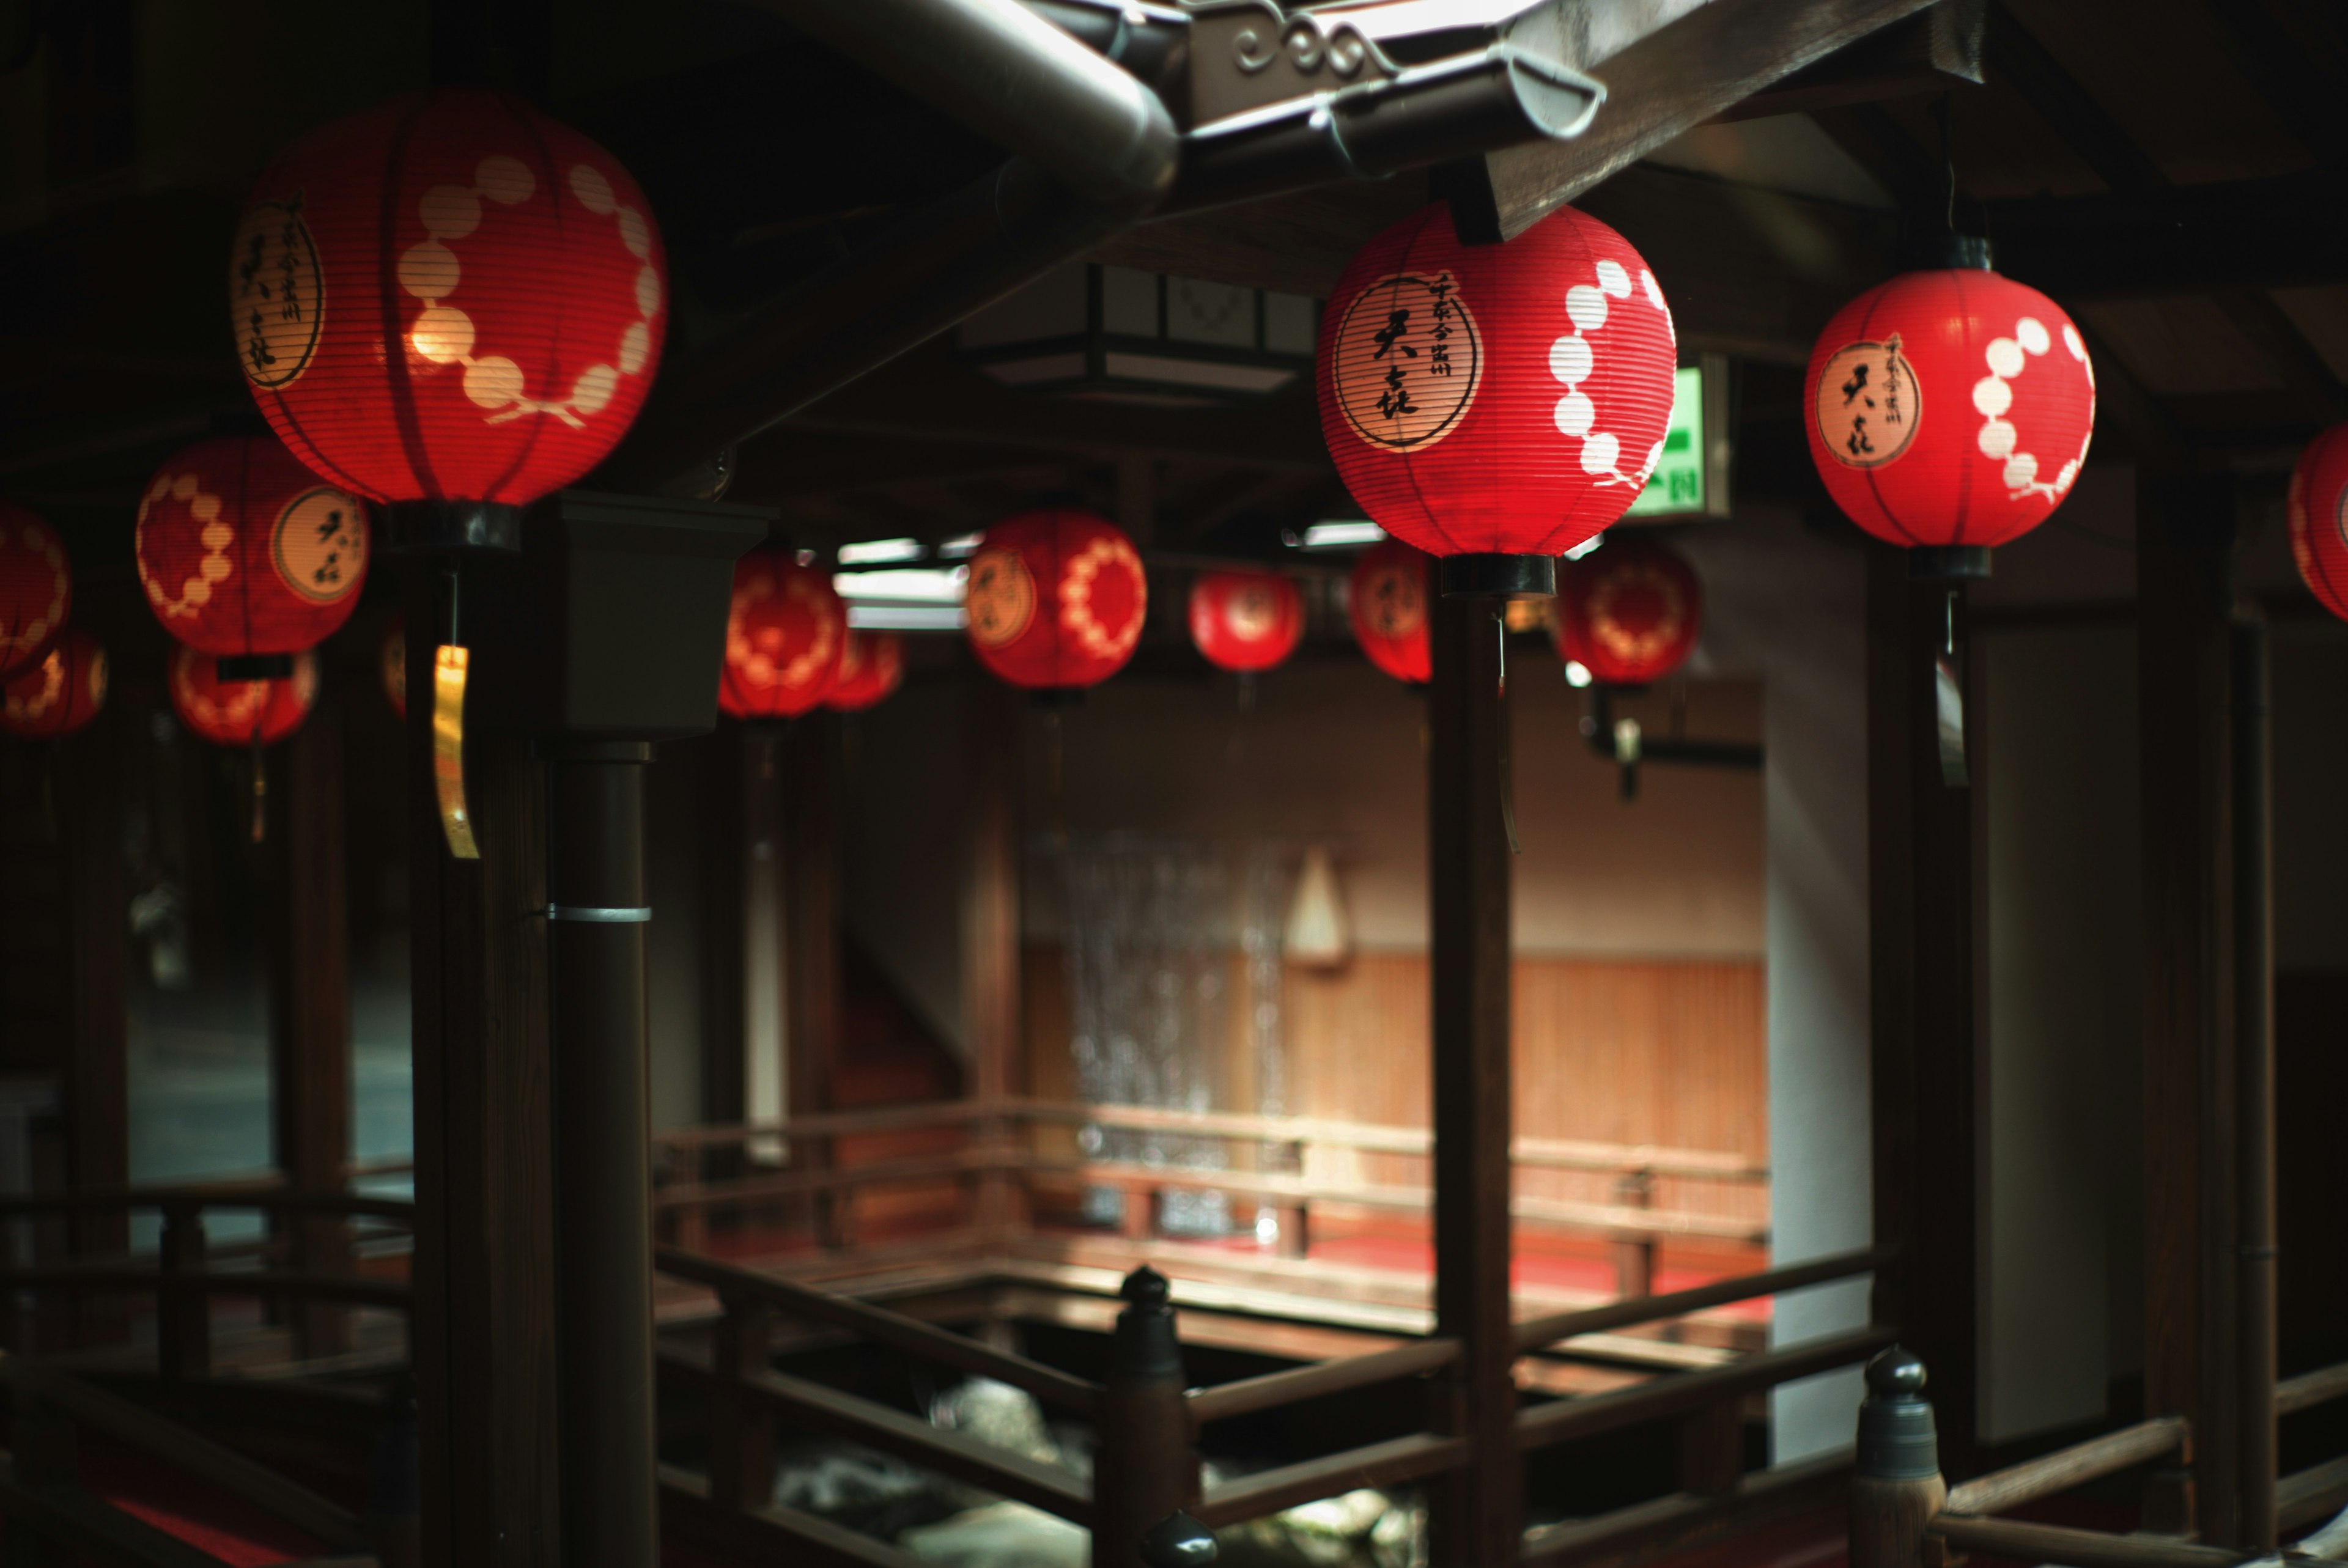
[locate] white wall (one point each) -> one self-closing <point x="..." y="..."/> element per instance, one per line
<point x="1789" y="606"/>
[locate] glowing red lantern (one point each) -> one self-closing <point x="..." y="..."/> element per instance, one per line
<point x="245" y="553"/>
<point x="2318" y="510"/>
<point x="240" y="712"/>
<point x="60" y="694"/>
<point x="784" y="637"/>
<point x="1951" y="411"/>
<point x="1057" y="599"/>
<point x="1496" y="404"/>
<point x="871" y="666"/>
<point x="36" y="589"/>
<point x="513" y="260"/>
<point x="1387" y="605"/>
<point x="1630" y="614"/>
<point x="1246" y="620"/>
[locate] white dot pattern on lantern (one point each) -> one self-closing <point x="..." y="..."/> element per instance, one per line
<point x="1998" y="440"/>
<point x="36" y="632"/>
<point x="214" y="568"/>
<point x="444" y="335"/>
<point x="1573" y="358"/>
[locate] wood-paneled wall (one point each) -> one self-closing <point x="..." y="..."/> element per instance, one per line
<point x="1644" y="1051"/>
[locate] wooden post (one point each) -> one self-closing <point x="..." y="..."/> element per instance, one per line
<point x="741" y="1431"/>
<point x="184" y="1311"/>
<point x="44" y="1451"/>
<point x="1926" y="1068"/>
<point x="990" y="931"/>
<point x="810" y="955"/>
<point x="310" y="1013"/>
<point x="1476" y="1514"/>
<point x="1634" y="1256"/>
<point x="86" y="782"/>
<point x="2255" y="1096"/>
<point x="391" y="1514"/>
<point x="1145" y="1469"/>
<point x="1897" y="1487"/>
<point x="2184" y="595"/>
<point x="485" y="1306"/>
<point x="730" y="852"/>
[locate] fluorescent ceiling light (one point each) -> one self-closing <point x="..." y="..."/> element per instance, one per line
<point x="1576" y="672"/>
<point x="907" y="616"/>
<point x="904" y="584"/>
<point x="1342" y="535"/>
<point x="959" y="548"/>
<point x="879" y="552"/>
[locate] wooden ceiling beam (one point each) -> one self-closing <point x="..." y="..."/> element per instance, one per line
<point x="2299" y="77"/>
<point x="1691" y="71"/>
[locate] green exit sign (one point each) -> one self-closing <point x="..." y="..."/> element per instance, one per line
<point x="1688" y="478"/>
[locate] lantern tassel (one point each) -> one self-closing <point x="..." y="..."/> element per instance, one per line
<point x="1948" y="703"/>
<point x="451" y="663"/>
<point x="1508" y="784"/>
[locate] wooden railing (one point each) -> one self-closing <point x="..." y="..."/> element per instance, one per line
<point x="1150" y="1427"/>
<point x="50" y="1518"/>
<point x="183" y="1278"/>
<point x="1000" y="1147"/>
<point x="1912" y="1521"/>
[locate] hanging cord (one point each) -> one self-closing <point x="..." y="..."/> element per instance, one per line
<point x="1941" y="112"/>
<point x="1051" y="741"/>
<point x="1508" y="783"/>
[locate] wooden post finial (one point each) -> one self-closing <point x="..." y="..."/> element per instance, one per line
<point x="1177" y="1541"/>
<point x="1897" y="1488"/>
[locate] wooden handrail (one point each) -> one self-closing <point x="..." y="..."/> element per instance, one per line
<point x="90" y="1525"/>
<point x="268" y="1284"/>
<point x="2312" y="1388"/>
<point x="2078" y="1548"/>
<point x="1411" y="1458"/>
<point x="175" y="1445"/>
<point x="1561" y="1153"/>
<point x="866" y="1421"/>
<point x="766" y="1534"/>
<point x="1563" y="1420"/>
<point x="908" y="1335"/>
<point x="1534" y="1333"/>
<point x="1606" y="1218"/>
<point x="212" y="1195"/>
<point x="1663" y="1525"/>
<point x="1246" y="1396"/>
<point x="2073" y="1466"/>
<point x="786" y="1184"/>
<point x="2316" y="1492"/>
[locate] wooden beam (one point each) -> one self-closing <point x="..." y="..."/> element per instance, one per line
<point x="309" y="1010"/>
<point x="485" y="1311"/>
<point x="809" y="845"/>
<point x="992" y="1029"/>
<point x="2278" y="232"/>
<point x="1699" y="66"/>
<point x="1476" y="1514"/>
<point x="2184" y="540"/>
<point x="1931" y="51"/>
<point x="1927" y="1065"/>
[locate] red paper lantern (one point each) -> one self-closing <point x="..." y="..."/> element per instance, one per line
<point x="511" y="259"/>
<point x="36" y="589"/>
<point x="391" y="663"/>
<point x="2318" y="509"/>
<point x="784" y="638"/>
<point x="871" y="666"/>
<point x="1951" y="410"/>
<point x="244" y="552"/>
<point x="1246" y="620"/>
<point x="1630" y="614"/>
<point x="240" y="712"/>
<point x="1497" y="400"/>
<point x="1387" y="605"/>
<point x="1057" y="599"/>
<point x="60" y="694"/>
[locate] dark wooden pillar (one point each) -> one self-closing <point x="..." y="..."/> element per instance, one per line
<point x="810" y="957"/>
<point x="2184" y="595"/>
<point x="1925" y="1064"/>
<point x="729" y="852"/>
<point x="310" y="1007"/>
<point x="485" y="1307"/>
<point x="1477" y="1513"/>
<point x="990" y="925"/>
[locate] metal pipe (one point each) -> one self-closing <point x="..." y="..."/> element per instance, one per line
<point x="1015" y="78"/>
<point x="603" y="1200"/>
<point x="2254" y="1087"/>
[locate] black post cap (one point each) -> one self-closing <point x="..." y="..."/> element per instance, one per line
<point x="1177" y="1541"/>
<point x="1497" y="577"/>
<point x="1947" y="563"/>
<point x="450" y="528"/>
<point x="1897" y="1439"/>
<point x="1145" y="1344"/>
